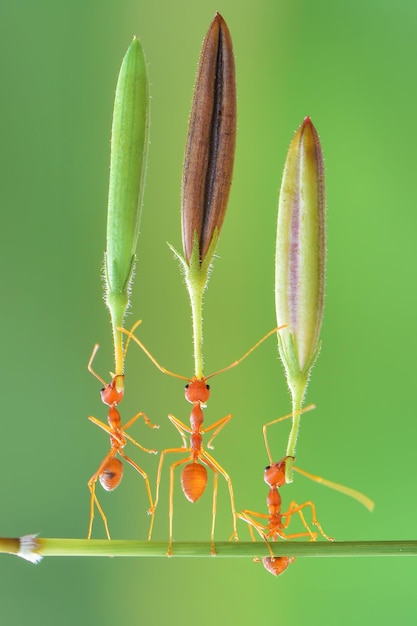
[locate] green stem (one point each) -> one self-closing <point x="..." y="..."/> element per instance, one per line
<point x="196" y="286"/>
<point x="297" y="393"/>
<point x="224" y="549"/>
<point x="196" y="279"/>
<point x="118" y="304"/>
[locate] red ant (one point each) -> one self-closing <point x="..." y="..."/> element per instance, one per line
<point x="275" y="478"/>
<point x="110" y="471"/>
<point x="194" y="474"/>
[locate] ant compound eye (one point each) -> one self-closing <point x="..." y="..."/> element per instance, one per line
<point x="268" y="467"/>
<point x="208" y="387"/>
<point x="186" y="386"/>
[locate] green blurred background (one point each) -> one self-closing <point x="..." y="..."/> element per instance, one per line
<point x="350" y="66"/>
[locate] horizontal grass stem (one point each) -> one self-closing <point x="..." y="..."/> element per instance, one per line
<point x="224" y="549"/>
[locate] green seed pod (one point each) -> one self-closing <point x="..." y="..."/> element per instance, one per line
<point x="129" y="144"/>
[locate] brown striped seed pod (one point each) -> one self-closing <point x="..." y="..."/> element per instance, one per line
<point x="210" y="147"/>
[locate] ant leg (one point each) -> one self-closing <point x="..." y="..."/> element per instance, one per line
<point x="171" y="498"/>
<point x="313" y="536"/>
<point x="215" y="466"/>
<point x="182" y="429"/>
<point x="130" y="333"/>
<point x="113" y="434"/>
<point x="144" y="475"/>
<point x="246" y="516"/>
<point x="247" y="353"/>
<point x="314" y="520"/>
<point x="214" y="508"/>
<point x="243" y="516"/>
<point x="106" y="428"/>
<point x="91" y="488"/>
<point x="297" y="508"/>
<point x="94" y="500"/>
<point x="260" y="528"/>
<point x="248" y="513"/>
<point x="90" y="366"/>
<point x="288" y="515"/>
<point x="93" y="497"/>
<point x="280" y="419"/>
<point x="145" y="419"/>
<point x="148" y="423"/>
<point x="217" y="426"/>
<point x="352" y="493"/>
<point x="159" y="473"/>
<point x="252" y="534"/>
<point x="273" y="564"/>
<point x="150" y="356"/>
<point x="136" y="443"/>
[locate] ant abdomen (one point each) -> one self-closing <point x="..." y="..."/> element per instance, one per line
<point x="111" y="475"/>
<point x="278" y="564"/>
<point x="194" y="481"/>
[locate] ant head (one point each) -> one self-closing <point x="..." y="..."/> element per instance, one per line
<point x="274" y="475"/>
<point x="197" y="390"/>
<point x="114" y="391"/>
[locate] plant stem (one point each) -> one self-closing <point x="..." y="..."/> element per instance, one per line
<point x="196" y="283"/>
<point x="196" y="278"/>
<point x="298" y="390"/>
<point x="224" y="549"/>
